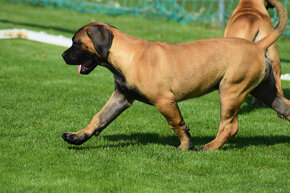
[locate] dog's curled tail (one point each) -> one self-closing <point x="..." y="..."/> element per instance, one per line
<point x="275" y="34"/>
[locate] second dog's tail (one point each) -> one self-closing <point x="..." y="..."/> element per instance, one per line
<point x="275" y="34"/>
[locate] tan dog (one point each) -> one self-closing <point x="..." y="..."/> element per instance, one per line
<point x="162" y="74"/>
<point x="251" y="21"/>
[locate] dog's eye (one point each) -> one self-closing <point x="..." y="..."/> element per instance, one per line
<point x="77" y="43"/>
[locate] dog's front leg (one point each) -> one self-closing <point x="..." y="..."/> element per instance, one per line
<point x="117" y="103"/>
<point x="169" y="109"/>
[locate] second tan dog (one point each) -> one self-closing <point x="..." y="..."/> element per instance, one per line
<point x="161" y="74"/>
<point x="250" y="20"/>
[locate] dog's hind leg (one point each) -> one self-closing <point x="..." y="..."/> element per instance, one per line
<point x="233" y="90"/>
<point x="230" y="103"/>
<point x="268" y="93"/>
<point x="114" y="107"/>
<point x="275" y="60"/>
<point x="169" y="109"/>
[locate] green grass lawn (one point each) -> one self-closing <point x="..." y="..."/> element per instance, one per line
<point x="41" y="97"/>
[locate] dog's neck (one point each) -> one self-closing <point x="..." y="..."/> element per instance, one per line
<point x="124" y="44"/>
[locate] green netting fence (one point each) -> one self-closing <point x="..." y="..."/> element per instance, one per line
<point x="182" y="11"/>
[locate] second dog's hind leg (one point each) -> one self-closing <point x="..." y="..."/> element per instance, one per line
<point x="268" y="93"/>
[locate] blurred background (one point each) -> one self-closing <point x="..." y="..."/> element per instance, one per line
<point x="182" y="11"/>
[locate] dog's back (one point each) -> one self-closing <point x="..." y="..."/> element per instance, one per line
<point x="249" y="19"/>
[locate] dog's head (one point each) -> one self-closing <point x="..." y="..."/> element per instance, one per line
<point x="90" y="47"/>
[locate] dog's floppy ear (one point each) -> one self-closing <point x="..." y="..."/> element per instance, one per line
<point x="102" y="39"/>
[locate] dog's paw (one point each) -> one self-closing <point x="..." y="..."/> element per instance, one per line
<point x="199" y="149"/>
<point x="75" y="139"/>
<point x="185" y="147"/>
<point x="280" y="116"/>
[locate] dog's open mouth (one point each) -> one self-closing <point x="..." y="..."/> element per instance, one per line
<point x="86" y="62"/>
<point x="87" y="65"/>
<point x="83" y="69"/>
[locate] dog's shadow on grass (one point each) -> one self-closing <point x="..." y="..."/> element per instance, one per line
<point x="124" y="140"/>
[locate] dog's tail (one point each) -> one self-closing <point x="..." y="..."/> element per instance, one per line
<point x="275" y="34"/>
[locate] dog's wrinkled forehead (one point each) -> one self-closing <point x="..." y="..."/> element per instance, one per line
<point x="81" y="33"/>
<point x="83" y="41"/>
<point x="95" y="38"/>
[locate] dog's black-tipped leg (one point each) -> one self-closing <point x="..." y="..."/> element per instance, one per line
<point x="75" y="139"/>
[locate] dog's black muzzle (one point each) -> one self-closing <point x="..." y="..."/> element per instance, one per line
<point x="86" y="60"/>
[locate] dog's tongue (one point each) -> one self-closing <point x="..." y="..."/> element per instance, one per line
<point x="79" y="69"/>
